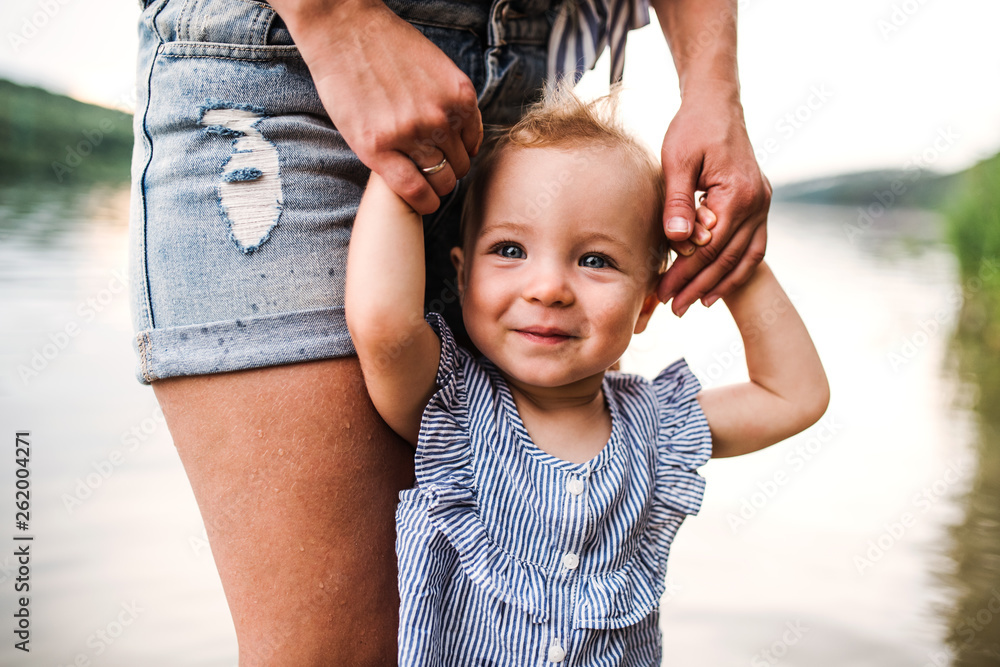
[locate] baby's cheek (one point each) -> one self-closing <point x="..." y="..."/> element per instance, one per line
<point x="618" y="313"/>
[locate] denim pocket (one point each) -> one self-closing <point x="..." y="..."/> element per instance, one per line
<point x="229" y="29"/>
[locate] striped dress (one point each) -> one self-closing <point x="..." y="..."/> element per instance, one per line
<point x="582" y="29"/>
<point x="509" y="556"/>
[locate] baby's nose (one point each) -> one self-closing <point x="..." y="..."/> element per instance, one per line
<point x="548" y="285"/>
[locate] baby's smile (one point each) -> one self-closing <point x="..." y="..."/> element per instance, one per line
<point x="545" y="335"/>
<point x="554" y="292"/>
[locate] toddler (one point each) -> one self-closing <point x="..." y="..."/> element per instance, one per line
<point x="549" y="488"/>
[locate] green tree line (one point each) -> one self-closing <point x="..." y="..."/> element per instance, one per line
<point x="54" y="138"/>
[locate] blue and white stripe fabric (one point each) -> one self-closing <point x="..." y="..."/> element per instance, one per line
<point x="583" y="28"/>
<point x="509" y="556"/>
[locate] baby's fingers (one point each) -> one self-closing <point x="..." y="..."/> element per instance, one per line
<point x="705" y="219"/>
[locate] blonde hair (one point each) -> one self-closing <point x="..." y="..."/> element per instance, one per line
<point x="561" y="119"/>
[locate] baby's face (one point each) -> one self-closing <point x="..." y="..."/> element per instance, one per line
<point x="561" y="271"/>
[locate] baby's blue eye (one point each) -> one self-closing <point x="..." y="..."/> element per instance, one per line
<point x="593" y="262"/>
<point x="511" y="251"/>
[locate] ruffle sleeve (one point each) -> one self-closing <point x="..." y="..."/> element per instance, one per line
<point x="684" y="441"/>
<point x="443" y="455"/>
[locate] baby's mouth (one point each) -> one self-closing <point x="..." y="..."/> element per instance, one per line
<point x="549" y="335"/>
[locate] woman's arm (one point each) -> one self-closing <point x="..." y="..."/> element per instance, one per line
<point x="384" y="305"/>
<point x="787" y="391"/>
<point x="707" y="148"/>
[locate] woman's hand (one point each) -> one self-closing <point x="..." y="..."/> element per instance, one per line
<point x="706" y="148"/>
<point x="400" y="103"/>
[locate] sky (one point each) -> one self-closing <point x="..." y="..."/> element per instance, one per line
<point x="827" y="88"/>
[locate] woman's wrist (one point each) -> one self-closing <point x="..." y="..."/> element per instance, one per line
<point x="323" y="27"/>
<point x="305" y="16"/>
<point x="712" y="93"/>
<point x="701" y="35"/>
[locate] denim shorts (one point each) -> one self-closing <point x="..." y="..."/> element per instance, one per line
<point x="244" y="193"/>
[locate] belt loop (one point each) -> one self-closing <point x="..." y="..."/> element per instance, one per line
<point x="498" y="17"/>
<point x="513" y="22"/>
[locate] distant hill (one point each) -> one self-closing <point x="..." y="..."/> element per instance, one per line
<point x="44" y="136"/>
<point x="919" y="188"/>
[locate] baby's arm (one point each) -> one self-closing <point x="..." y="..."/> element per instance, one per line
<point x="384" y="304"/>
<point x="787" y="391"/>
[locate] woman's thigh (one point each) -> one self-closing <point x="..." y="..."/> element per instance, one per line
<point x="297" y="479"/>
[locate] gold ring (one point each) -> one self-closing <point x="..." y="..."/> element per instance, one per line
<point x="436" y="168"/>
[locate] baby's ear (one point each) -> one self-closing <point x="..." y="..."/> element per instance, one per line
<point x="648" y="306"/>
<point x="458" y="261"/>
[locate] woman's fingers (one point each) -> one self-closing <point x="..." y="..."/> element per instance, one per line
<point x="399" y="109"/>
<point x="469" y="122"/>
<point x="734" y="255"/>
<point x="403" y="176"/>
<point x="438" y="170"/>
<point x="742" y="272"/>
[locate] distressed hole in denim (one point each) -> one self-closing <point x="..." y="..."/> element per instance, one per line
<point x="250" y="189"/>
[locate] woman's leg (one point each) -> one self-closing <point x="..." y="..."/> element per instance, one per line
<point x="297" y="478"/>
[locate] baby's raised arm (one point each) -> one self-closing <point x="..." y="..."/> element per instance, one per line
<point x="384" y="305"/>
<point x="787" y="391"/>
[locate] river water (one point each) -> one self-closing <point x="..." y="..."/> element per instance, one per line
<point x="858" y="542"/>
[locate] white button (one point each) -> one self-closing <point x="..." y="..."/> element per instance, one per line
<point x="556" y="653"/>
<point x="570" y="561"/>
<point x="575" y="486"/>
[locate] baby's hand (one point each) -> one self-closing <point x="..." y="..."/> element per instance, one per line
<point x="705" y="219"/>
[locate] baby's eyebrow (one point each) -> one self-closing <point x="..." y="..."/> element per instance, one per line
<point x="601" y="236"/>
<point x="504" y="224"/>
